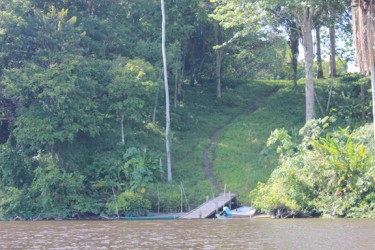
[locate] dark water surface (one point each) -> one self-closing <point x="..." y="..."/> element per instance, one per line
<point x="197" y="234"/>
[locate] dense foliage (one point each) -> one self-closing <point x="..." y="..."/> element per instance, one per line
<point x="329" y="173"/>
<point x="82" y="116"/>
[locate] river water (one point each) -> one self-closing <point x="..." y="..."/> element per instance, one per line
<point x="256" y="233"/>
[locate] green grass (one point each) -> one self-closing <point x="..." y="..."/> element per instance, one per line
<point x="242" y="158"/>
<point x="239" y="163"/>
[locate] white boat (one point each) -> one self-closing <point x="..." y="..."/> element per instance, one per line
<point x="240" y="212"/>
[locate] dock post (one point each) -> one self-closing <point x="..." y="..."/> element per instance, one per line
<point x="230" y="201"/>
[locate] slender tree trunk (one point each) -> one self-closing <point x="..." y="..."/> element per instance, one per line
<point x="219" y="57"/>
<point x="363" y="101"/>
<point x="176" y="83"/>
<point x="293" y="45"/>
<point x="306" y="24"/>
<point x="370" y="42"/>
<point x="363" y="34"/>
<point x="319" y="70"/>
<point x="166" y="87"/>
<point x="155" y="106"/>
<point x="332" y="56"/>
<point x="373" y="94"/>
<point x="122" y="130"/>
<point x="332" y="42"/>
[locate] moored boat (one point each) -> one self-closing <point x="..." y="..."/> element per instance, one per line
<point x="240" y="212"/>
<point x="154" y="217"/>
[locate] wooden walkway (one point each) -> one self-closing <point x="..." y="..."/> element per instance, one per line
<point x="210" y="207"/>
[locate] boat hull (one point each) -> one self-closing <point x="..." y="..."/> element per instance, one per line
<point x="241" y="212"/>
<point x="163" y="217"/>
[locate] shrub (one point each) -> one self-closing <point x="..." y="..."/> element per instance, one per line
<point x="129" y="203"/>
<point x="332" y="174"/>
<point x="55" y="191"/>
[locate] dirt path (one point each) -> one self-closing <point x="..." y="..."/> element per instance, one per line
<point x="210" y="149"/>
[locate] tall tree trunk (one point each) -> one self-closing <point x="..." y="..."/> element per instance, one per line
<point x="370" y="42"/>
<point x="319" y="70"/>
<point x="363" y="34"/>
<point x="166" y="87"/>
<point x="176" y="83"/>
<point x="122" y="130"/>
<point x="293" y="45"/>
<point x="183" y="64"/>
<point x="363" y="101"/>
<point x="332" y="42"/>
<point x="306" y="25"/>
<point x="373" y="94"/>
<point x="332" y="49"/>
<point x="155" y="106"/>
<point x="219" y="57"/>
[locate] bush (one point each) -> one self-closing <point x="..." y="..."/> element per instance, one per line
<point x="165" y="197"/>
<point x="55" y="191"/>
<point x="332" y="174"/>
<point x="14" y="203"/>
<point x="129" y="203"/>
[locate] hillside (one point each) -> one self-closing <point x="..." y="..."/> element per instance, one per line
<point x="217" y="143"/>
<point x="231" y="132"/>
<point x="229" y="135"/>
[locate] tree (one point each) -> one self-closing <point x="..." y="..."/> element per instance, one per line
<point x="294" y="35"/>
<point x="288" y="21"/>
<point x="219" y="57"/>
<point x="363" y="34"/>
<point x="304" y="12"/>
<point x="245" y="14"/>
<point x="332" y="43"/>
<point x="166" y="88"/>
<point x="131" y="90"/>
<point x="50" y="86"/>
<point x="305" y="21"/>
<point x="318" y="26"/>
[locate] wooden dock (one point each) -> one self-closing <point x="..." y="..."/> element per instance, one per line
<point x="208" y="208"/>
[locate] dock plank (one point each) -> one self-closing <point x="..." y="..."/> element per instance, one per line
<point x="210" y="207"/>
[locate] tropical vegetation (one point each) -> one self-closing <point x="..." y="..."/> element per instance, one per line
<point x="86" y="128"/>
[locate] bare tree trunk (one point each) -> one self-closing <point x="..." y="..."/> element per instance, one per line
<point x="363" y="101"/>
<point x="176" y="83"/>
<point x="183" y="64"/>
<point x="293" y="45"/>
<point x="219" y="57"/>
<point x="122" y="130"/>
<point x="332" y="46"/>
<point x="155" y="106"/>
<point x="306" y="24"/>
<point x="370" y="42"/>
<point x="373" y="94"/>
<point x="166" y="87"/>
<point x="363" y="28"/>
<point x="319" y="70"/>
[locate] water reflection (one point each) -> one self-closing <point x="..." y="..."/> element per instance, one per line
<point x="196" y="234"/>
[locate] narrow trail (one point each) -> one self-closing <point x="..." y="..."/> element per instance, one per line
<point x="211" y="147"/>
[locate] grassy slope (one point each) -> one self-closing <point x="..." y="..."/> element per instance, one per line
<point x="242" y="159"/>
<point x="240" y="163"/>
